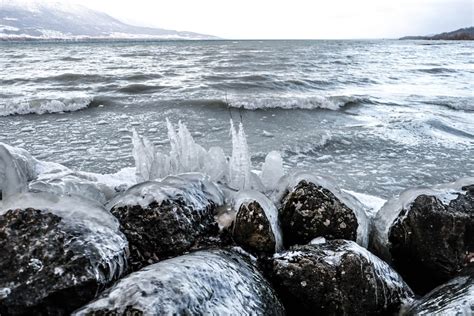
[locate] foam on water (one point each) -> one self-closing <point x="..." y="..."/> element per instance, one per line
<point x="311" y="102"/>
<point x="44" y="106"/>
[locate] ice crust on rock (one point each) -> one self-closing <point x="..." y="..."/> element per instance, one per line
<point x="289" y="182"/>
<point x="455" y="297"/>
<point x="269" y="208"/>
<point x="82" y="251"/>
<point x="194" y="189"/>
<point x="391" y="209"/>
<point x="215" y="282"/>
<point x="100" y="226"/>
<point x="302" y="274"/>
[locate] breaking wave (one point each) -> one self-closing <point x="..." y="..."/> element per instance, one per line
<point x="44" y="106"/>
<point x="303" y="103"/>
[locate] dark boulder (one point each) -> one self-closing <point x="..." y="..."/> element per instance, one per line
<point x="455" y="297"/>
<point x="427" y="234"/>
<point x="256" y="227"/>
<point x="336" y="277"/>
<point x="310" y="210"/>
<point x="215" y="282"/>
<point x="165" y="219"/>
<point x="57" y="256"/>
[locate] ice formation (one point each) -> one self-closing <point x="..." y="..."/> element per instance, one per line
<point x="392" y="208"/>
<point x="272" y="170"/>
<point x="337" y="254"/>
<point x="17" y="167"/>
<point x="188" y="156"/>
<point x="290" y="181"/>
<point x="271" y="212"/>
<point x="21" y="172"/>
<point x="194" y="189"/>
<point x="97" y="229"/>
<point x="185" y="156"/>
<point x="239" y="165"/>
<point x="213" y="282"/>
<point x="373" y="203"/>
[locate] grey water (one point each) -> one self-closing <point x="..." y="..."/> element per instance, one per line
<point x="377" y="116"/>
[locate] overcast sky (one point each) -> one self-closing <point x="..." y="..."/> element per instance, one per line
<point x="312" y="19"/>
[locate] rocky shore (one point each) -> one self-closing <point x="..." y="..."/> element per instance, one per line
<point x="185" y="244"/>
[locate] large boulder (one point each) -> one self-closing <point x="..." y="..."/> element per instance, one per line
<point x="427" y="233"/>
<point x="456" y="297"/>
<point x="57" y="253"/>
<point x="163" y="219"/>
<point x="215" y="282"/>
<point x="336" y="277"/>
<point x="256" y="228"/>
<point x="315" y="207"/>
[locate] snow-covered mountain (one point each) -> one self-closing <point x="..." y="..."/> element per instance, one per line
<point x="27" y="19"/>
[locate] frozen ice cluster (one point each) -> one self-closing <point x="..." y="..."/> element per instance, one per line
<point x="188" y="156"/>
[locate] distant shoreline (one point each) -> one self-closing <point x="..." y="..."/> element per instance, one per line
<point x="464" y="34"/>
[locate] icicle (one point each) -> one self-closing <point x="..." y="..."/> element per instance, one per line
<point x="145" y="159"/>
<point x="240" y="165"/>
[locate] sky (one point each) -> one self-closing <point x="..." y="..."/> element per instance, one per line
<point x="294" y="19"/>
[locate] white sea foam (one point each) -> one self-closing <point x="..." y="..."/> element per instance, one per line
<point x="293" y="102"/>
<point x="45" y="106"/>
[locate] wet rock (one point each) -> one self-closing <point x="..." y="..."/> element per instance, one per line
<point x="427" y="234"/>
<point x="216" y="282"/>
<point x="165" y="219"/>
<point x="256" y="227"/>
<point x="336" y="277"/>
<point x="57" y="256"/>
<point x="455" y="297"/>
<point x="310" y="211"/>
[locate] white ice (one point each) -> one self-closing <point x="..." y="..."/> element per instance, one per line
<point x="392" y="208"/>
<point x="272" y="170"/>
<point x="98" y="228"/>
<point x="21" y="172"/>
<point x="270" y="210"/>
<point x="202" y="283"/>
<point x="186" y="155"/>
<point x="194" y="189"/>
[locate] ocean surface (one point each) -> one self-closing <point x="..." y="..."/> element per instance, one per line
<point x="377" y="116"/>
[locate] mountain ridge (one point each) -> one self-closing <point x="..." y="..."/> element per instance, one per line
<point x="60" y="21"/>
